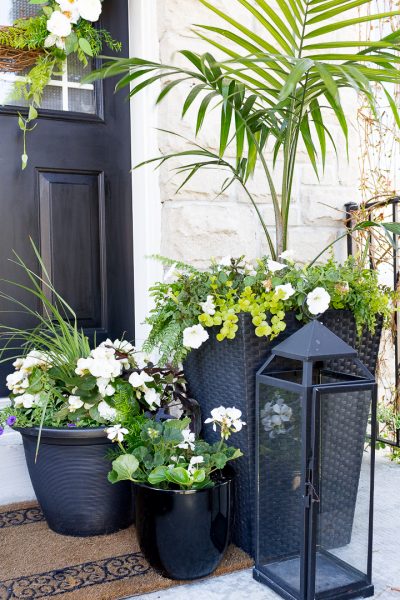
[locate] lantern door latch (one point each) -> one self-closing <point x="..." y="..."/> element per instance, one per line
<point x="311" y="494"/>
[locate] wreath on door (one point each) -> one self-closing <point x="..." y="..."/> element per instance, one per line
<point x="39" y="46"/>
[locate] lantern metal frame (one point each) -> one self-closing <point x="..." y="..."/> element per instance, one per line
<point x="311" y="353"/>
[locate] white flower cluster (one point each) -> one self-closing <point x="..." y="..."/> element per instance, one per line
<point x="138" y="381"/>
<point x="18" y="381"/>
<point x="61" y="21"/>
<point x="275" y="417"/>
<point x="228" y="419"/>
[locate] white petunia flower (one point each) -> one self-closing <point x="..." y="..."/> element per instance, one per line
<point x="90" y="10"/>
<point x="116" y="433"/>
<point x="273" y="265"/>
<point x="226" y="261"/>
<point x="107" y="412"/>
<point x="59" y="24"/>
<point x="194" y="462"/>
<point x="152" y="398"/>
<point x="27" y="400"/>
<point x="74" y="403"/>
<point x="188" y="440"/>
<point x="250" y="270"/>
<point x="288" y="255"/>
<point x="194" y="336"/>
<point x="208" y="307"/>
<point x="138" y="380"/>
<point x="171" y="275"/>
<point x="318" y="301"/>
<point x="287" y="289"/>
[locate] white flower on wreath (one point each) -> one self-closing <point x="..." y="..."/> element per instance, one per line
<point x="287" y="289"/>
<point x="70" y="9"/>
<point x="273" y="266"/>
<point x="318" y="301"/>
<point x="90" y="10"/>
<point x="59" y="25"/>
<point x="152" y="397"/>
<point x="193" y="337"/>
<point x="208" y="307"/>
<point x="27" y="400"/>
<point x="138" y="380"/>
<point x="74" y="403"/>
<point x="107" y="412"/>
<point x="116" y="433"/>
<point x="188" y="440"/>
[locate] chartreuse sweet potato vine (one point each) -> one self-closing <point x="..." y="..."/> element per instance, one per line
<point x="189" y="302"/>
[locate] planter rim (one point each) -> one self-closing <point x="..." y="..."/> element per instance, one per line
<point x="228" y="478"/>
<point x="63" y="432"/>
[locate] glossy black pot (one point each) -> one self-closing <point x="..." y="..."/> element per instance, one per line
<point x="184" y="533"/>
<point x="70" y="481"/>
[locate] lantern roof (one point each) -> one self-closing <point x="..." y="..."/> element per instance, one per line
<point x="314" y="341"/>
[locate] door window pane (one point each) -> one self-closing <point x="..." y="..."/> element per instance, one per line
<point x="64" y="92"/>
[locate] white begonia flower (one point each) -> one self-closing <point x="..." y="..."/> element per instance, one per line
<point x="82" y="366"/>
<point x="138" y="380"/>
<point x="74" y="403"/>
<point x="193" y="337"/>
<point x="194" y="461"/>
<point x="59" y="24"/>
<point x="226" y="261"/>
<point x="35" y="358"/>
<point x="124" y="346"/>
<point x="287" y="289"/>
<point x="104" y="386"/>
<point x="273" y="265"/>
<point x="70" y="9"/>
<point x="107" y="412"/>
<point x="142" y="359"/>
<point x="27" y="400"/>
<point x="208" y="307"/>
<point x="152" y="398"/>
<point x="17" y="364"/>
<point x="188" y="440"/>
<point x="90" y="10"/>
<point x="288" y="255"/>
<point x="318" y="301"/>
<point x="17" y="382"/>
<point x="116" y="433"/>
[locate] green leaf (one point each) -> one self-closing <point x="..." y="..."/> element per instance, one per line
<point x="392" y="227"/>
<point x="349" y="22"/>
<point x="125" y="466"/>
<point x="393" y="107"/>
<point x="220" y="460"/>
<point x="191" y="97"/>
<point x="199" y="475"/>
<point x="179" y="475"/>
<point x="301" y="67"/>
<point x="33" y="113"/>
<point x="157" y="475"/>
<point x="85" y="46"/>
<point x="47" y="11"/>
<point x="71" y="43"/>
<point x="24" y="161"/>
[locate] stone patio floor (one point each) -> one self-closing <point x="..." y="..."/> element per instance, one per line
<point x="386" y="556"/>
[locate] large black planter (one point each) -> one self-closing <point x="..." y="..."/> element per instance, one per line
<point x="70" y="481"/>
<point x="224" y="373"/>
<point x="184" y="533"/>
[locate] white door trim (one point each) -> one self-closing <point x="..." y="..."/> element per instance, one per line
<point x="146" y="198"/>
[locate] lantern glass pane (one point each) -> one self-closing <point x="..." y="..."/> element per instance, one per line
<point x="342" y="525"/>
<point x="280" y="503"/>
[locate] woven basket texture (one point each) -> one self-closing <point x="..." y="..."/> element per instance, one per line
<point x="223" y="373"/>
<point x="16" y="60"/>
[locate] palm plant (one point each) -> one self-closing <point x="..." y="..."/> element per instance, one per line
<point x="273" y="88"/>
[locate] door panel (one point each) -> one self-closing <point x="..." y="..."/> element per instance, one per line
<point x="74" y="198"/>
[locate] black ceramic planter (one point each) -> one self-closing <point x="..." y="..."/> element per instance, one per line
<point x="70" y="481"/>
<point x="184" y="533"/>
<point x="224" y="373"/>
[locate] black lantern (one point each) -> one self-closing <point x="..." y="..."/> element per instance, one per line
<point x="314" y="479"/>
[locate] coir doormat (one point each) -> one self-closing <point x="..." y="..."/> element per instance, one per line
<point x="38" y="563"/>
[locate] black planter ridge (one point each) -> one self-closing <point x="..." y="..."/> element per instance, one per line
<point x="184" y="533"/>
<point x="70" y="481"/>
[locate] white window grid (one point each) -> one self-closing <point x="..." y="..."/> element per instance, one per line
<point x="62" y="83"/>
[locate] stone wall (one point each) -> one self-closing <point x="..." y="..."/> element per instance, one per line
<point x="197" y="223"/>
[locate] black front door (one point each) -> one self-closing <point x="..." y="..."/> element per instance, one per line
<point x="74" y="199"/>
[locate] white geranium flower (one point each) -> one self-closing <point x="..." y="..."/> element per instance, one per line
<point x="74" y="403"/>
<point x="59" y="24"/>
<point x="107" y="412"/>
<point x="288" y="255"/>
<point x="194" y="336"/>
<point x="273" y="265"/>
<point x="152" y="398"/>
<point x="287" y="289"/>
<point x="70" y="9"/>
<point x="188" y="440"/>
<point x="275" y="416"/>
<point x="226" y="261"/>
<point x="228" y="419"/>
<point x="318" y="301"/>
<point x="138" y="380"/>
<point x="194" y="462"/>
<point x="116" y="433"/>
<point x="208" y="307"/>
<point x="27" y="400"/>
<point x="90" y="10"/>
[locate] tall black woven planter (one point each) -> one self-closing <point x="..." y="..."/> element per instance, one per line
<point x="224" y="373"/>
<point x="70" y="481"/>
